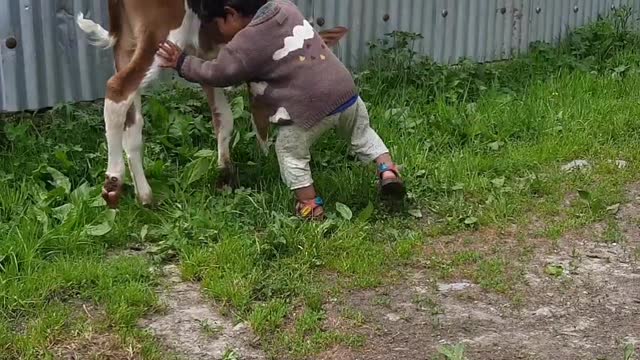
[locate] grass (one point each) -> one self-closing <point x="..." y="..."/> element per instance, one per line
<point x="480" y="147"/>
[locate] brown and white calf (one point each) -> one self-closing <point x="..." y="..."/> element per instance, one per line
<point x="136" y="27"/>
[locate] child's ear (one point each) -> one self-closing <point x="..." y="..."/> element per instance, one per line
<point x="332" y="36"/>
<point x="229" y="11"/>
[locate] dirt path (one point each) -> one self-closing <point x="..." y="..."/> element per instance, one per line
<point x="588" y="309"/>
<point x="192" y="329"/>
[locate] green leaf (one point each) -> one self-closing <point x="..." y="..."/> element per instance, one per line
<point x="62" y="212"/>
<point x="59" y="180"/>
<point x="629" y="352"/>
<point x="421" y="173"/>
<point x="199" y="169"/>
<point x="613" y="209"/>
<point x="554" y="270"/>
<point x="110" y="215"/>
<point x="42" y="218"/>
<point x="205" y="154"/>
<point x="236" y="140"/>
<point x="471" y="220"/>
<point x="584" y="195"/>
<point x="458" y="187"/>
<point x="399" y="114"/>
<point x="416" y="213"/>
<point x="344" y="211"/>
<point x="496" y="145"/>
<point x="366" y="214"/>
<point x="99" y="230"/>
<point x="237" y="107"/>
<point x="81" y="193"/>
<point x="452" y="352"/>
<point x="64" y="160"/>
<point x="498" y="182"/>
<point x="98" y="202"/>
<point x="143" y="232"/>
<point x="620" y="69"/>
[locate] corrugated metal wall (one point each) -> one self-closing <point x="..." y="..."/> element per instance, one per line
<point x="483" y="30"/>
<point x="53" y="62"/>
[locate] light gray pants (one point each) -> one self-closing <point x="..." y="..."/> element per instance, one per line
<point x="293" y="143"/>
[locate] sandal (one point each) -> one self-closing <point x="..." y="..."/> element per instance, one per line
<point x="311" y="209"/>
<point x="391" y="188"/>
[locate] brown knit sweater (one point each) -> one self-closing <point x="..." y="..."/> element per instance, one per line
<point x="293" y="76"/>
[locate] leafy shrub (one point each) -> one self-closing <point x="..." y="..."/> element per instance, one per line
<point x="394" y="63"/>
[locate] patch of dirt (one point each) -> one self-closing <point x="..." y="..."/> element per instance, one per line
<point x="95" y="346"/>
<point x="94" y="342"/>
<point x="588" y="311"/>
<point x="191" y="327"/>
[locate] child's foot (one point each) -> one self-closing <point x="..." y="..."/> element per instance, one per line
<point x="391" y="186"/>
<point x="311" y="209"/>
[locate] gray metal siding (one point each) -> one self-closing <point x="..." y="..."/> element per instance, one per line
<point x="53" y="62"/>
<point x="482" y="30"/>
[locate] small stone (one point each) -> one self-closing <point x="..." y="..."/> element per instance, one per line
<point x="393" y="317"/>
<point x="543" y="312"/>
<point x="453" y="287"/>
<point x="621" y="164"/>
<point x="241" y="327"/>
<point x="576" y="165"/>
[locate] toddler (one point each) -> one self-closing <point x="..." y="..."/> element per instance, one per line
<point x="296" y="80"/>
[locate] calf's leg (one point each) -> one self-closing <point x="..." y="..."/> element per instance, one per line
<point x="115" y="113"/>
<point x="222" y="120"/>
<point x="122" y="91"/>
<point x="133" y="146"/>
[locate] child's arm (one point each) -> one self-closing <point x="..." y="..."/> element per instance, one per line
<point x="226" y="70"/>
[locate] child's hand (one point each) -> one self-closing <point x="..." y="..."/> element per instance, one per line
<point x="169" y="54"/>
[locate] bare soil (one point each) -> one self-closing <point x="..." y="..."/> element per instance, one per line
<point x="589" y="310"/>
<point x="192" y="328"/>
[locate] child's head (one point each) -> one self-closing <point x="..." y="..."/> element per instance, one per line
<point x="230" y="16"/>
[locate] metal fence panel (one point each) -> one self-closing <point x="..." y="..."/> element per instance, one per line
<point x="53" y="62"/>
<point x="482" y="30"/>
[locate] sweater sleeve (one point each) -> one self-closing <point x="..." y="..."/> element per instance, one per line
<point x="227" y="69"/>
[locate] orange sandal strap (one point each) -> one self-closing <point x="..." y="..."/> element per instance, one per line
<point x="307" y="209"/>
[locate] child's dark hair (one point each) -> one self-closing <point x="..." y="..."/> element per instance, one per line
<point x="208" y="10"/>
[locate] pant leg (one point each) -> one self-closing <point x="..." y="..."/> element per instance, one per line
<point x="293" y="145"/>
<point x="365" y="142"/>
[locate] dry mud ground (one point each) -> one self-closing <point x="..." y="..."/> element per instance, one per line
<point x="588" y="309"/>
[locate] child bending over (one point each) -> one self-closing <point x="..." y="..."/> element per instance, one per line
<point x="296" y="80"/>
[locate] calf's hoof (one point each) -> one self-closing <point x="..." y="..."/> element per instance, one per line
<point x="227" y="178"/>
<point x="146" y="200"/>
<point x="112" y="191"/>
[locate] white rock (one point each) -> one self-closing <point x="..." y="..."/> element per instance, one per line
<point x="576" y="165"/>
<point x="621" y="164"/>
<point x="454" y="287"/>
<point x="240" y="327"/>
<point x="393" y="317"/>
<point x="543" y="312"/>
